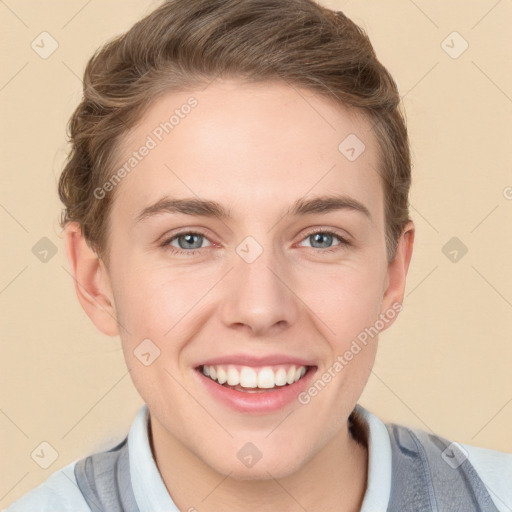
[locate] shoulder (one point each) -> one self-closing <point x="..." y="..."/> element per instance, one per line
<point x="495" y="470"/>
<point x="59" y="492"/>
<point x="493" y="467"/>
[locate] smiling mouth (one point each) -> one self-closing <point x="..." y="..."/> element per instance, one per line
<point x="247" y="379"/>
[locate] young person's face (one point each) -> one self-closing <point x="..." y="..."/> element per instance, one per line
<point x="255" y="288"/>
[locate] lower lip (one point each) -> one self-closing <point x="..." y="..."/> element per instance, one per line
<point x="259" y="402"/>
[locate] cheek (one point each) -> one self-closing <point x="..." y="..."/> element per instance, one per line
<point x="346" y="301"/>
<point x="153" y="308"/>
<point x="346" y="305"/>
<point x="155" y="299"/>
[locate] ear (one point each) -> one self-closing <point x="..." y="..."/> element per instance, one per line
<point x="394" y="288"/>
<point x="92" y="282"/>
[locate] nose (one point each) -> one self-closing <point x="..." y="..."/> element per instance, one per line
<point x="258" y="297"/>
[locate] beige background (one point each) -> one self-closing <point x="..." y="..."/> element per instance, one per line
<point x="446" y="364"/>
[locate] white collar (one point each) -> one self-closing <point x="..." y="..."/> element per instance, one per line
<point x="378" y="487"/>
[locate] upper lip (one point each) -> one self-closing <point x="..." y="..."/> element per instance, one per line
<point x="256" y="361"/>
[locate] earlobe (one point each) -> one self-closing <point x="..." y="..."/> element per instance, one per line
<point x="397" y="269"/>
<point x="91" y="280"/>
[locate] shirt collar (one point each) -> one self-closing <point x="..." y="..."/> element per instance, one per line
<point x="378" y="487"/>
<point x="152" y="495"/>
<point x="148" y="487"/>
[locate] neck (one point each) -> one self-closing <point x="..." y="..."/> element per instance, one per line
<point x="334" y="479"/>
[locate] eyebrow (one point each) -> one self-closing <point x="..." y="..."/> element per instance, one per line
<point x="208" y="208"/>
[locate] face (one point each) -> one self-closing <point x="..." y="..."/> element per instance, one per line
<point x="247" y="246"/>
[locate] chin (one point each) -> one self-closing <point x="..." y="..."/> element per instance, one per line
<point x="261" y="467"/>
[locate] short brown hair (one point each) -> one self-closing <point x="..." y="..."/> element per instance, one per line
<point x="187" y="43"/>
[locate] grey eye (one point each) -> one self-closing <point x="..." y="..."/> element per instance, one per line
<point x="322" y="239"/>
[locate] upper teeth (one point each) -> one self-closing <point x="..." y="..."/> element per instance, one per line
<point x="266" y="377"/>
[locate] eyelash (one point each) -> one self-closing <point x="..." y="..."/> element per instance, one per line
<point x="166" y="243"/>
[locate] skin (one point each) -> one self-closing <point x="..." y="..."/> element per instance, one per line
<point x="254" y="148"/>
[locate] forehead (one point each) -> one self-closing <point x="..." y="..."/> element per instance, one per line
<point x="248" y="144"/>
